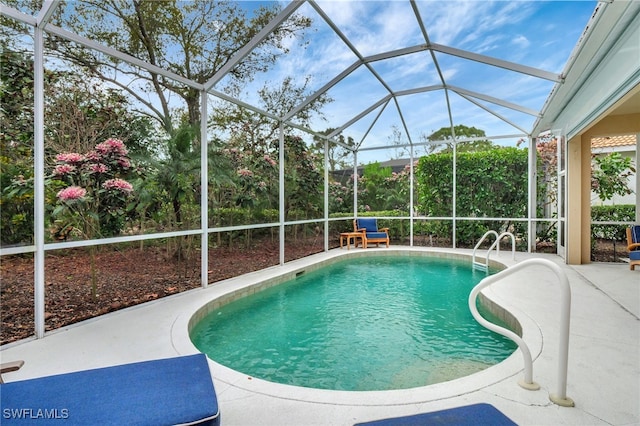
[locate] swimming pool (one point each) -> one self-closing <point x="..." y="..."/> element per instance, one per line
<point x="369" y="323"/>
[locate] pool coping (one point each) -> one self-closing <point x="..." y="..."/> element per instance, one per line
<point x="234" y="288"/>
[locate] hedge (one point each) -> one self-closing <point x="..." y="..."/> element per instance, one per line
<point x="616" y="213"/>
<point x="489" y="183"/>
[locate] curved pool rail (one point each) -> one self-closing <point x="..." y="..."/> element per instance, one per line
<point x="560" y="397"/>
<point x="496" y="244"/>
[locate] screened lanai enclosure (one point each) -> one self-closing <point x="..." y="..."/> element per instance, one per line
<point x="149" y="147"/>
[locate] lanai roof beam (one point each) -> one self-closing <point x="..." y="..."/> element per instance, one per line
<point x="490" y="111"/>
<point x="19" y="16"/>
<point x="402" y="120"/>
<point x="418" y="90"/>
<point x="493" y="100"/>
<point x="48" y="7"/>
<point x="373" y="123"/>
<point x="511" y="66"/>
<point x="359" y="116"/>
<point x="457" y="141"/>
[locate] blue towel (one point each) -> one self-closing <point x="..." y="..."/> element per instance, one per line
<point x="472" y="415"/>
<point x="159" y="392"/>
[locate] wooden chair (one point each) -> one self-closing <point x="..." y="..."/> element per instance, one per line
<point x="8" y="367"/>
<point x="633" y="245"/>
<point x="368" y="228"/>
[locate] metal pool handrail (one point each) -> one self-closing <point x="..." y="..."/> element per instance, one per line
<point x="560" y="397"/>
<point x="496" y="244"/>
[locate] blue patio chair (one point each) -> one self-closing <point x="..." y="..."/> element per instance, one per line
<point x="633" y="245"/>
<point x="164" y="391"/>
<point x="368" y="228"/>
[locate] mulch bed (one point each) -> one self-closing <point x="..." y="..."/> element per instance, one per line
<point x="124" y="277"/>
<point x="609" y="251"/>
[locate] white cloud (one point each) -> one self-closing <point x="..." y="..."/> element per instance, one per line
<point x="521" y="42"/>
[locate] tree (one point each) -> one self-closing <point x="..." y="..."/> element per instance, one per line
<point x="177" y="171"/>
<point x="373" y="180"/>
<point x="16" y="147"/>
<point x="337" y="153"/>
<point x="193" y="39"/>
<point x="251" y="130"/>
<point x="446" y="135"/>
<point x="81" y="112"/>
<point x="610" y="175"/>
<point x="398" y="143"/>
<point x="302" y="180"/>
<point x="253" y="149"/>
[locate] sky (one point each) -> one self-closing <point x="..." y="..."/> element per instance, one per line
<point x="537" y="34"/>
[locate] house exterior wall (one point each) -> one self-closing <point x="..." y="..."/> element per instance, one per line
<point x="606" y="71"/>
<point x="579" y="182"/>
<point x="576" y="234"/>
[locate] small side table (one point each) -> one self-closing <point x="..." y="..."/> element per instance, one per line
<point x="348" y="236"/>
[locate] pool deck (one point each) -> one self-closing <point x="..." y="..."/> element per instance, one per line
<point x="603" y="370"/>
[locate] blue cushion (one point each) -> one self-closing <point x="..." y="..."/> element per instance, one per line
<point x="370" y="224"/>
<point x="634" y="255"/>
<point x="376" y="235"/>
<point x="635" y="234"/>
<point x="166" y="391"/>
<point x="477" y="414"/>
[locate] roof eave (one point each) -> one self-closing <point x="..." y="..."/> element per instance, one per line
<point x="601" y="32"/>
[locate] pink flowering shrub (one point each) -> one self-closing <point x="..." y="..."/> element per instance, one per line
<point x="245" y="172"/>
<point x="254" y="172"/>
<point x="71" y="193"/>
<point x="96" y="194"/>
<point x="254" y="184"/>
<point x="70" y="158"/>
<point x="118" y="184"/>
<point x="112" y="146"/>
<point x="98" y="168"/>
<point x="63" y="169"/>
<point x="270" y="160"/>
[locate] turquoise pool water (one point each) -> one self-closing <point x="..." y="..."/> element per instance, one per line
<point x="374" y="323"/>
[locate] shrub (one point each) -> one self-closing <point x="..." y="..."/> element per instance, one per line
<point x="490" y="183"/>
<point x="94" y="196"/>
<point x="616" y="213"/>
